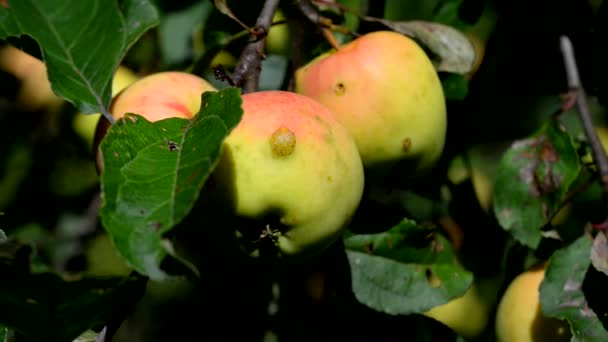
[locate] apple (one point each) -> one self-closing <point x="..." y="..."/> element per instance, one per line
<point x="469" y="314"/>
<point x="156" y="96"/>
<point x="519" y="317"/>
<point x="384" y="89"/>
<point x="84" y="124"/>
<point x="35" y="93"/>
<point x="278" y="40"/>
<point x="292" y="172"/>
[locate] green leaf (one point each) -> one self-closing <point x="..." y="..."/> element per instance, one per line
<point x="561" y="292"/>
<point x="2" y="235"/>
<point x="82" y="42"/>
<point x="176" y="30"/>
<point x="153" y="173"/>
<point x="3" y="333"/>
<point x="45" y="307"/>
<point x="533" y="180"/>
<point x="408" y="269"/>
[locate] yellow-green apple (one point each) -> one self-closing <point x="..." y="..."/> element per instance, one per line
<point x="278" y="39"/>
<point x="384" y="89"/>
<point x="35" y="93"/>
<point x="468" y="315"/>
<point x="519" y="317"/>
<point x="156" y="96"/>
<point x="291" y="171"/>
<point x="84" y="124"/>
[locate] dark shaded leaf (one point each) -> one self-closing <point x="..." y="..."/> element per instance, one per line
<point x="452" y="49"/>
<point x="455" y="87"/>
<point x="3" y="333"/>
<point x="82" y="46"/>
<point x="45" y="307"/>
<point x="533" y="180"/>
<point x="222" y="6"/>
<point x="408" y="269"/>
<point x="153" y="173"/>
<point x="561" y="292"/>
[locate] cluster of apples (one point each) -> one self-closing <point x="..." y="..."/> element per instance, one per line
<point x="302" y="155"/>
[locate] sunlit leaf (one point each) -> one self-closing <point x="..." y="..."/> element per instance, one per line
<point x="82" y="42"/>
<point x="153" y="173"/>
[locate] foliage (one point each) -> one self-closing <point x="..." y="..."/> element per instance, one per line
<point x="518" y="181"/>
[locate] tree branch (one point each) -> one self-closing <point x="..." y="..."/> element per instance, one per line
<point x="575" y="85"/>
<point x="247" y="72"/>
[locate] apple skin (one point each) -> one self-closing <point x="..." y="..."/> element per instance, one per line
<point x="519" y="317"/>
<point x="156" y="96"/>
<point x="291" y="158"/>
<point x="469" y="314"/>
<point x="385" y="90"/>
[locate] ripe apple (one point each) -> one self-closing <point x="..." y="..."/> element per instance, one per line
<point x="36" y="93"/>
<point x="156" y="96"/>
<point x="519" y="317"/>
<point x="385" y="90"/>
<point x="84" y="124"/>
<point x="291" y="171"/>
<point x="468" y="315"/>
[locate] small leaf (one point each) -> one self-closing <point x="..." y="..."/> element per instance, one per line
<point x="153" y="173"/>
<point x="561" y="292"/>
<point x="408" y="269"/>
<point x="599" y="253"/>
<point x="455" y="87"/>
<point x="222" y="6"/>
<point x="81" y="46"/>
<point x="454" y="52"/>
<point x="87" y="336"/>
<point x="45" y="307"/>
<point x="533" y="180"/>
<point x="2" y="235"/>
<point x="3" y="333"/>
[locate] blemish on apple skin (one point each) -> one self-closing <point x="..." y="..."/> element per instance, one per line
<point x="406" y="144"/>
<point x="282" y="142"/>
<point x="340" y="89"/>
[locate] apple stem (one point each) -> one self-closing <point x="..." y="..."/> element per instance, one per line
<point x="576" y="88"/>
<point x="247" y="71"/>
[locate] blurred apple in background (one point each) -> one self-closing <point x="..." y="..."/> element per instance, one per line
<point x="35" y="93"/>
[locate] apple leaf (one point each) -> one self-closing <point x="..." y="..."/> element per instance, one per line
<point x="407" y="269"/>
<point x="61" y="310"/>
<point x="599" y="253"/>
<point x="82" y="46"/>
<point x="452" y="50"/>
<point x="3" y="333"/>
<point x="153" y="173"/>
<point x="562" y="291"/>
<point x="533" y="180"/>
<point x="455" y="87"/>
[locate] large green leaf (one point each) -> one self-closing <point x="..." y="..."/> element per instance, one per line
<point x="82" y="42"/>
<point x="407" y="269"/>
<point x="45" y="307"/>
<point x="153" y="173"/>
<point x="561" y="292"/>
<point x="533" y="180"/>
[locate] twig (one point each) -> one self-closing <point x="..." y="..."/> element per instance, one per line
<point x="247" y="72"/>
<point x="575" y="85"/>
<point x="325" y="24"/>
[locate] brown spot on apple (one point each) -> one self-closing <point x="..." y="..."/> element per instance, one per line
<point x="406" y="144"/>
<point x="282" y="142"/>
<point x="340" y="89"/>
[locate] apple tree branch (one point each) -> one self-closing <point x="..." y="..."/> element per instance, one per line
<point x="576" y="87"/>
<point x="247" y="72"/>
